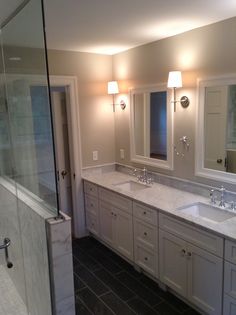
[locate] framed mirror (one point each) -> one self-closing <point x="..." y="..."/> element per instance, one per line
<point x="216" y="129"/>
<point x="151" y="126"/>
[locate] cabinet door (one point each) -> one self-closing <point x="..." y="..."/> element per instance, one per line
<point x="205" y="277"/>
<point x="106" y="223"/>
<point x="229" y="305"/>
<point x="173" y="262"/>
<point x="123" y="229"/>
<point x="230" y="279"/>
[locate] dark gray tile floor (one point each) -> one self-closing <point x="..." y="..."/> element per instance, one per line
<point x="105" y="284"/>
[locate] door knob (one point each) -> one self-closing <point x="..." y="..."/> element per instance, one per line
<point x="63" y="173"/>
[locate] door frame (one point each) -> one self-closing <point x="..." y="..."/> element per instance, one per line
<point x="71" y="85"/>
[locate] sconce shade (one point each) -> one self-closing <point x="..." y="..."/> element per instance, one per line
<point x="112" y="87"/>
<point x="174" y="79"/>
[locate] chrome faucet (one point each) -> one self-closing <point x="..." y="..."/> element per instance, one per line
<point x="223" y="203"/>
<point x="144" y="178"/>
<point x="222" y="197"/>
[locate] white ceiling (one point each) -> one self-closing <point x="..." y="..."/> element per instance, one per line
<point x="112" y="26"/>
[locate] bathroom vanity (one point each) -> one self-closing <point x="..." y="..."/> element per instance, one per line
<point x="192" y="253"/>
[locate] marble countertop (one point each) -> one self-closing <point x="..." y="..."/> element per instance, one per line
<point x="164" y="198"/>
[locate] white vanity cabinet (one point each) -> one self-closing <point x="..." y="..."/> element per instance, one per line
<point x="230" y="278"/>
<point x="91" y="206"/>
<point x="185" y="257"/>
<point x="116" y="222"/>
<point x="190" y="270"/>
<point x="146" y="238"/>
<point x="173" y="263"/>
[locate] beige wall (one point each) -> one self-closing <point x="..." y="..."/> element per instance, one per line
<point x="204" y="52"/>
<point x="96" y="116"/>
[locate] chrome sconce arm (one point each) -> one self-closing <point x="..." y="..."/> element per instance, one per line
<point x="112" y="89"/>
<point x="175" y="81"/>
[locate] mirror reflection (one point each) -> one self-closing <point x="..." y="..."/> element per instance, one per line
<point x="150" y="124"/>
<point x="220" y="127"/>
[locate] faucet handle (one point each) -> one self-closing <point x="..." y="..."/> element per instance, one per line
<point x="222" y="189"/>
<point x="213" y="199"/>
<point x="232" y="205"/>
<point x="134" y="172"/>
<point x="151" y="180"/>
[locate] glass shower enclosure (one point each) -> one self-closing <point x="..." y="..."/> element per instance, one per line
<point x="28" y="192"/>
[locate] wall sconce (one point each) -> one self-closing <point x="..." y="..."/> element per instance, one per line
<point x="112" y="88"/>
<point x="175" y="81"/>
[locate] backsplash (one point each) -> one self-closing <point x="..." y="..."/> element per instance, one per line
<point x="185" y="185"/>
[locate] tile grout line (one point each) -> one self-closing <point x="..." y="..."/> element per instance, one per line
<point x="125" y="302"/>
<point x="82" y="302"/>
<point x="110" y="275"/>
<point x="135" y="295"/>
<point x="114" y="275"/>
<point x="109" y="289"/>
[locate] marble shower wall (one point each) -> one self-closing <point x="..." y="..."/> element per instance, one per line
<point x="24" y="222"/>
<point x="61" y="266"/>
<point x="10" y="227"/>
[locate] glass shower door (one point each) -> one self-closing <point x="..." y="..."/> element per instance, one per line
<point x="28" y="192"/>
<point x="12" y="281"/>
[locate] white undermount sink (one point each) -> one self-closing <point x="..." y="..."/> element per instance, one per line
<point x="207" y="212"/>
<point x="131" y="185"/>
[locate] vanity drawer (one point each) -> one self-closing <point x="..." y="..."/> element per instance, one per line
<point x="146" y="234"/>
<point x="196" y="236"/>
<point x="90" y="189"/>
<point x="230" y="251"/>
<point x="92" y="222"/>
<point x="116" y="200"/>
<point x="91" y="204"/>
<point x="145" y="213"/>
<point x="146" y="259"/>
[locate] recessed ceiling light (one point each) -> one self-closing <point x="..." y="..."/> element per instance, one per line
<point x="15" y="58"/>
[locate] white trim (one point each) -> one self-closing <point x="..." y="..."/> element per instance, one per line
<point x="70" y="82"/>
<point x="99" y="165"/>
<point x="200" y="170"/>
<point x="168" y="164"/>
